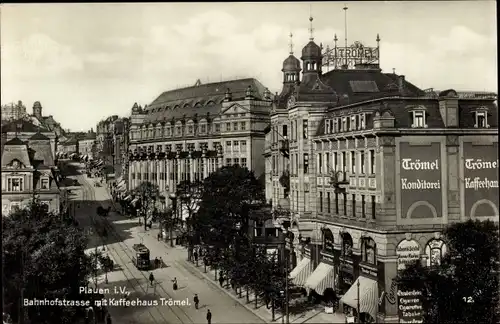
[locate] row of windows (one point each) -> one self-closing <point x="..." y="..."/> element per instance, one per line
<point x="345" y="124"/>
<point x="368" y="249"/>
<point x="17" y="184"/>
<point x="236" y="161"/>
<point x="342" y="206"/>
<point x="234" y="146"/>
<point x="281" y="132"/>
<point x="190" y="130"/>
<point x="180" y="147"/>
<point x="358" y="161"/>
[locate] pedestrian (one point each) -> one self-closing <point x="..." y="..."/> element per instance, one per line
<point x="195" y="254"/>
<point x="161" y="262"/>
<point x="159" y="236"/>
<point x="209" y="317"/>
<point x="156" y="263"/>
<point x="151" y="278"/>
<point x="233" y="283"/>
<point x="196" y="301"/>
<point x="221" y="279"/>
<point x="205" y="260"/>
<point x="174" y="286"/>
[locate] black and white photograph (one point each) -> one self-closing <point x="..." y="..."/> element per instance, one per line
<point x="249" y="162"/>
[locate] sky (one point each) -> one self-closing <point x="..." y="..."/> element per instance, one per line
<point x="85" y="62"/>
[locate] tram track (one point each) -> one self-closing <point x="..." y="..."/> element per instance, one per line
<point x="180" y="315"/>
<point x="89" y="195"/>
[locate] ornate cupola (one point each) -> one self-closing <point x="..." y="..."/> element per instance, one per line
<point x="311" y="57"/>
<point x="291" y="67"/>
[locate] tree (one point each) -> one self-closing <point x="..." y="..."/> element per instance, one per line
<point x="43" y="257"/>
<point x="149" y="194"/>
<point x="464" y="287"/>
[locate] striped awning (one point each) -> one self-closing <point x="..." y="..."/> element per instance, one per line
<point x="323" y="277"/>
<point x="134" y="202"/>
<point x="121" y="188"/>
<point x="120" y="182"/>
<point x="301" y="272"/>
<point x="368" y="296"/>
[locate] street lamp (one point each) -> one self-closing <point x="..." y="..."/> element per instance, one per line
<point x="173" y="215"/>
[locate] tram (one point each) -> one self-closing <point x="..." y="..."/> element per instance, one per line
<point x="142" y="257"/>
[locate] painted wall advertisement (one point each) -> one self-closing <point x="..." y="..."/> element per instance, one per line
<point x="420" y="173"/>
<point x="480" y="164"/>
<point x="410" y="309"/>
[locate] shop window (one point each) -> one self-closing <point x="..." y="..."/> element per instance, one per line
<point x="346" y="245"/>
<point x="368" y="250"/>
<point x="434" y="252"/>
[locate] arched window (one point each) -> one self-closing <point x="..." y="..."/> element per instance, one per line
<point x="328" y="240"/>
<point x="434" y="252"/>
<point x="368" y="250"/>
<point x="346" y="245"/>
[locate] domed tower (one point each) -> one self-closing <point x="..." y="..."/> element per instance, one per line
<point x="311" y="57"/>
<point x="136" y="109"/>
<point x="291" y="67"/>
<point x="37" y="110"/>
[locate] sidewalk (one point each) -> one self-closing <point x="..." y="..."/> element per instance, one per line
<point x="224" y="309"/>
<point x="178" y="255"/>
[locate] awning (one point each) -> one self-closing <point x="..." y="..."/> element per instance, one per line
<point x="119" y="179"/>
<point x="134" y="202"/>
<point x="99" y="163"/>
<point x="368" y="296"/>
<point x="323" y="277"/>
<point x="301" y="272"/>
<point x="127" y="198"/>
<point x="121" y="188"/>
<point x="120" y="182"/>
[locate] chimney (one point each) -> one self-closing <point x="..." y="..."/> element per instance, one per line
<point x="401" y="83"/>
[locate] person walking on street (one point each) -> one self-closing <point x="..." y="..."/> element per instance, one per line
<point x="156" y="262"/>
<point x="196" y="301"/>
<point x="161" y="262"/>
<point x="209" y="317"/>
<point x="221" y="279"/>
<point x="174" y="283"/>
<point x="158" y="236"/>
<point x="195" y="254"/>
<point x="151" y="278"/>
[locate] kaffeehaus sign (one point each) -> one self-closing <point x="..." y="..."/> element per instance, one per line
<point x="480" y="180"/>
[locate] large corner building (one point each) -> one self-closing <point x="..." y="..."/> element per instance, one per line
<point x="371" y="168"/>
<point x="185" y="134"/>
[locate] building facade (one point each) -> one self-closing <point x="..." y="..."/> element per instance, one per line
<point x="121" y="129"/>
<point x="370" y="169"/>
<point x="186" y="134"/>
<point x="105" y="139"/>
<point x="28" y="171"/>
<point x="12" y="111"/>
<point x="87" y="147"/>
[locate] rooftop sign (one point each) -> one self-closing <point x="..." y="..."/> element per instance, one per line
<point x="348" y="57"/>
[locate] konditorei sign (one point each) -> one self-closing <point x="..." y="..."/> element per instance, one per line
<point x="407" y="252"/>
<point x="420" y="180"/>
<point x="480" y="165"/>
